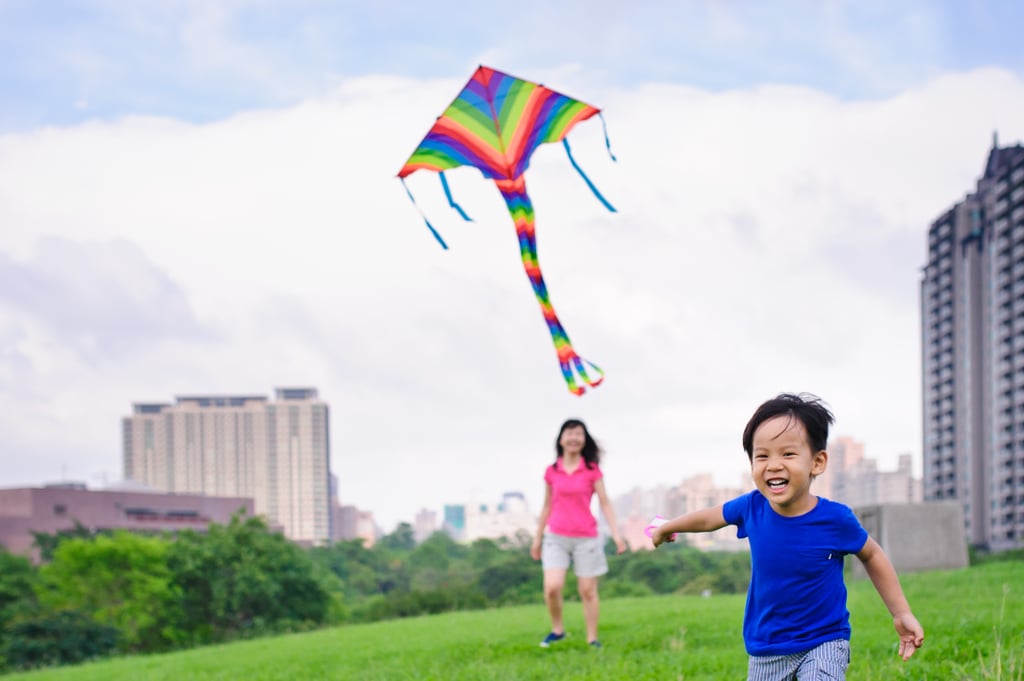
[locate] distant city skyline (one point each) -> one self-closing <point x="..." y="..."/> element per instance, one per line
<point x="192" y="204"/>
<point x="852" y="477"/>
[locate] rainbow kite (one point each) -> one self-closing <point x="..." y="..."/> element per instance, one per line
<point x="494" y="125"/>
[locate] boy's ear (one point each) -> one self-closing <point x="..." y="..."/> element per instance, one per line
<point x="820" y="463"/>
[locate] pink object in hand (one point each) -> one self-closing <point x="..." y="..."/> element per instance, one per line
<point x="657" y="522"/>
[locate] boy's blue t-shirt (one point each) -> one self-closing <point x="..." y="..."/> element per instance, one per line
<point x="797" y="597"/>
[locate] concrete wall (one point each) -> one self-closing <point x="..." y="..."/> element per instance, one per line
<point x="916" y="537"/>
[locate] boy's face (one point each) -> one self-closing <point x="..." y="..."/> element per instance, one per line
<point x="783" y="464"/>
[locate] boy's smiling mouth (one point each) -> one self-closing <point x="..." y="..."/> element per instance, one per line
<point x="776" y="484"/>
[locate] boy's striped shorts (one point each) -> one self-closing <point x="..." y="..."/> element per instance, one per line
<point x="822" y="663"/>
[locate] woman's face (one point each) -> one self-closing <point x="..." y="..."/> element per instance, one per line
<point x="572" y="439"/>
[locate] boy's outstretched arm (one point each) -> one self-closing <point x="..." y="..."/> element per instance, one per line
<point x="883" y="576"/>
<point x="704" y="520"/>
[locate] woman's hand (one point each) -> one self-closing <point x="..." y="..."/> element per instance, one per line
<point x="535" y="548"/>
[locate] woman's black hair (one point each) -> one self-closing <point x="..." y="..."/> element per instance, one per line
<point x="591" y="451"/>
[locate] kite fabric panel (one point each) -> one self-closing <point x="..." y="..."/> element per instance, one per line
<point x="495" y="124"/>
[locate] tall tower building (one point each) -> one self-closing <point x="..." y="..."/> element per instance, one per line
<point x="972" y="333"/>
<point x="276" y="452"/>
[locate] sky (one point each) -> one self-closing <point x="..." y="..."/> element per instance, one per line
<point x="201" y="197"/>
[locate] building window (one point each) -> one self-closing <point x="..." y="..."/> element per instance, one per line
<point x="59" y="509"/>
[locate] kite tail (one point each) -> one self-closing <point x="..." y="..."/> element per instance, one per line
<point x="521" y="209"/>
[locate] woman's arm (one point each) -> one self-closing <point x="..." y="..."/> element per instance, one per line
<point x="542" y="523"/>
<point x="609" y="515"/>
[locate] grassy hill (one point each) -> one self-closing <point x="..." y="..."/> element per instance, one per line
<point x="973" y="620"/>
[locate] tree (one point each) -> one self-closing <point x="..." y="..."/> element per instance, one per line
<point x="352" y="563"/>
<point x="46" y="543"/>
<point x="121" y="580"/>
<point x="484" y="552"/>
<point x="402" y="540"/>
<point x="362" y="571"/>
<point x="437" y="553"/>
<point x="509" y="580"/>
<point x="241" y="579"/>
<point x="17" y="579"/>
<point x="659" y="570"/>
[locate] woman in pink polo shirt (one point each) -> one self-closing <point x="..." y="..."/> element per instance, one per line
<point x="571" y="535"/>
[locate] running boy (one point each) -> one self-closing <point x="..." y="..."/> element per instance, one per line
<point x="795" y="624"/>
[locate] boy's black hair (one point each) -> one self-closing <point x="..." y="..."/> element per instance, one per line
<point x="591" y="451"/>
<point x="807" y="408"/>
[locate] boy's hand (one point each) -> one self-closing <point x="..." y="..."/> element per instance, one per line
<point x="911" y="634"/>
<point x="658" y="537"/>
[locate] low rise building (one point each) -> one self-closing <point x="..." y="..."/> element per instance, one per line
<point x="53" y="509"/>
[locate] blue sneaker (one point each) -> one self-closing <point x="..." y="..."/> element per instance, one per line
<point x="595" y="644"/>
<point x="551" y="638"/>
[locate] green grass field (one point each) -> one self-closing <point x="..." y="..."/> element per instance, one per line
<point x="973" y="620"/>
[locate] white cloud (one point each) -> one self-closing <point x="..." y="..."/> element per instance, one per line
<point x="744" y="260"/>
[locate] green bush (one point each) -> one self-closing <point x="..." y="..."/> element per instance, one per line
<point x="623" y="588"/>
<point x="502" y="579"/>
<point x="64" y="637"/>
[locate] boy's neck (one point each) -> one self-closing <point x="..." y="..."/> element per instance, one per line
<point x="797" y="507"/>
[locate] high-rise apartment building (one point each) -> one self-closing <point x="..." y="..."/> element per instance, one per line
<point x="972" y="332"/>
<point x="276" y="452"/>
